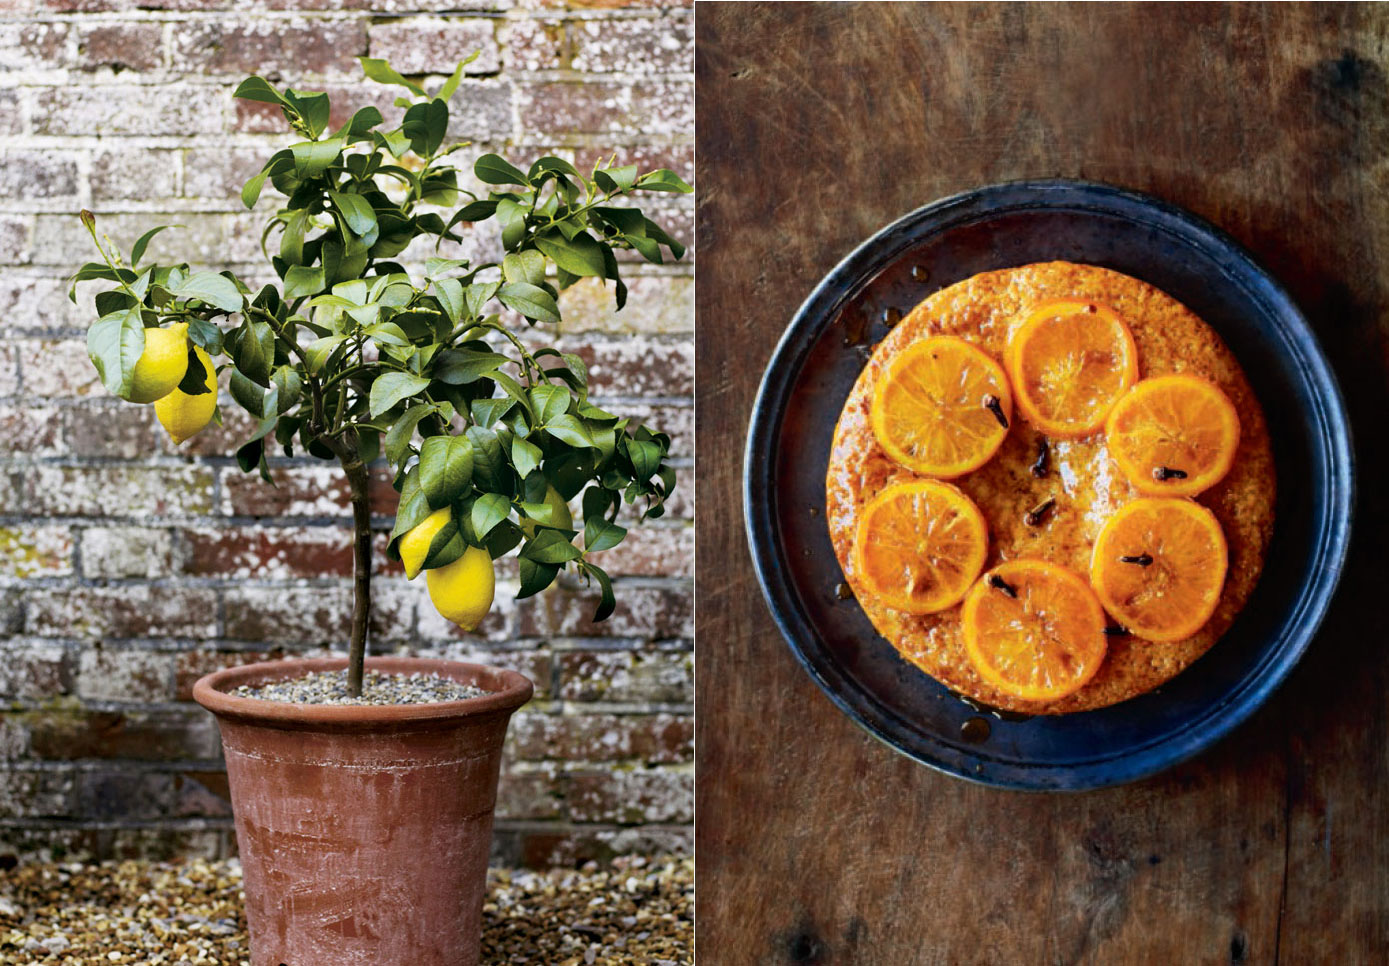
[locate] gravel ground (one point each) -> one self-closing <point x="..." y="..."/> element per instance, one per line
<point x="330" y="687"/>
<point x="190" y="914"/>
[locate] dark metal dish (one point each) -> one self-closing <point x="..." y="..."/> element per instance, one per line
<point x="815" y="366"/>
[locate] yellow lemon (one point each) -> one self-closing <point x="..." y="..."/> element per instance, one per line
<point x="414" y="546"/>
<point x="184" y="416"/>
<point x="462" y="591"/>
<point x="559" y="513"/>
<point x="162" y="365"/>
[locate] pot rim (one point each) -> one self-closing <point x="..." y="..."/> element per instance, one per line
<point x="513" y="689"/>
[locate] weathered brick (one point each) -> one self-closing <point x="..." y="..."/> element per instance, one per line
<point x="133" y="46"/>
<point x="154" y="842"/>
<point x="32" y="302"/>
<point x="37" y="794"/>
<point x="655" y="108"/>
<point x="146" y="734"/>
<point x="651" y="551"/>
<point x="544" y="845"/>
<point x="632" y="797"/>
<point x="15" y="240"/>
<point x="307" y="616"/>
<point x="202" y="794"/>
<point x="113" y="552"/>
<point x="659" y="305"/>
<point x="118" y="674"/>
<point x="57" y="369"/>
<point x="11" y="491"/>
<point x="640" y="45"/>
<point x="28" y="175"/>
<point x="533" y="44"/>
<point x="295" y="47"/>
<point x="27" y="550"/>
<point x="536" y="793"/>
<point x="32" y="431"/>
<point x="636" y="366"/>
<point x="600" y="4"/>
<point x="34" y="46"/>
<point x="130" y="109"/>
<point x="221" y="172"/>
<point x="302" y="491"/>
<point x="432" y="46"/>
<point x="125" y="793"/>
<point x="115" y="490"/>
<point x="32" y="670"/>
<point x="130" y="173"/>
<point x="200" y="238"/>
<point x="278" y="553"/>
<point x="9" y="370"/>
<point x="11" y="610"/>
<point x="482" y="110"/>
<point x="642" y="677"/>
<point x="111" y="429"/>
<point x="11" y="117"/>
<point x="656" y="738"/>
<point x="122" y="611"/>
<point x="189" y="666"/>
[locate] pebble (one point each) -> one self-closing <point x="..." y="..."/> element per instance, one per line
<point x="330" y="687"/>
<point x="191" y="913"/>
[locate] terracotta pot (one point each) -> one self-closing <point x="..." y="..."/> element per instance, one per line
<point x="364" y="831"/>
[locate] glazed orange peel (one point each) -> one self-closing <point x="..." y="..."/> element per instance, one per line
<point x="919" y="546"/>
<point x="1069" y="361"/>
<point x="1173" y="435"/>
<point x="1034" y="630"/>
<point x="941" y="407"/>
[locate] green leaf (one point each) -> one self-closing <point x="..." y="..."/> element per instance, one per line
<point x="494" y="169"/>
<point x="489" y="510"/>
<point x="449" y="292"/>
<point x="607" y="602"/>
<point x="490" y="470"/>
<point x="255" y="352"/>
<point x="318" y="352"/>
<point x="312" y="107"/>
<point x="615" y="180"/>
<point x="397" y="440"/>
<point x="205" y="334"/>
<point x="115" y="343"/>
<point x="535" y="576"/>
<point x="141" y="243"/>
<point x="446" y="468"/>
<point x="211" y="288"/>
<point x="530" y="300"/>
<point x="456" y="77"/>
<point x="390" y="388"/>
<point x="425" y="125"/>
<point x="474" y="211"/>
<point x="194" y="382"/>
<point x="525" y="456"/>
<point x="382" y="72"/>
<point x="458" y="367"/>
<point x="601" y="534"/>
<point x="662" y="180"/>
<point x="303" y="280"/>
<point x="580" y="255"/>
<point x="486" y="412"/>
<point x="355" y="211"/>
<point x="524" y="266"/>
<point x="289" y="386"/>
<point x="552" y="163"/>
<point x="549" y="547"/>
<point x="312" y="158"/>
<point x="258" y="89"/>
<point x="362" y="122"/>
<point x="549" y="402"/>
<point x="645" y="457"/>
<point x="250" y="193"/>
<point x="248" y="395"/>
<point x="570" y="429"/>
<point x="477" y="295"/>
<point x="512" y="215"/>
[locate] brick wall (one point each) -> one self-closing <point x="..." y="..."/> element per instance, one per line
<point x="128" y="567"/>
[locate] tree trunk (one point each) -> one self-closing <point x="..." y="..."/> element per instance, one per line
<point x="359" y="482"/>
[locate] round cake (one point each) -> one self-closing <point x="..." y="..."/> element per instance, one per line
<point x="1072" y="479"/>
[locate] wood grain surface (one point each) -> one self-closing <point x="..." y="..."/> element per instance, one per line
<point x="817" y="125"/>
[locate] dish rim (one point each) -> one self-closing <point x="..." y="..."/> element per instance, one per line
<point x="1332" y="519"/>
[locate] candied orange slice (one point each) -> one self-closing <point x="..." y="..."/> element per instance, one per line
<point x="941" y="407"/>
<point x="919" y="545"/>
<point x="1173" y="435"/>
<point x="1159" y="565"/>
<point x="1034" y="630"/>
<point x="1070" y="360"/>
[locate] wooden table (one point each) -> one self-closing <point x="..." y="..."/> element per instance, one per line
<point x="818" y="124"/>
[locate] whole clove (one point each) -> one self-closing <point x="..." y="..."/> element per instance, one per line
<point x="995" y="406"/>
<point x="1039" y="465"/>
<point x="1038" y="513"/>
<point x="998" y="583"/>
<point x="1142" y="559"/>
<point x="1116" y="630"/>
<point x="1165" y="473"/>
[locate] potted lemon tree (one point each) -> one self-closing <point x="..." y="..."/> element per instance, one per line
<point x="363" y="788"/>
